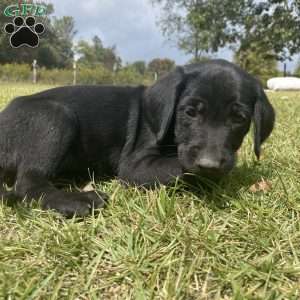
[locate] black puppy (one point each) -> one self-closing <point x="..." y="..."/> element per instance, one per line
<point x="192" y="120"/>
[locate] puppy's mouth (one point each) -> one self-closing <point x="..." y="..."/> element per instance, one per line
<point x="205" y="164"/>
<point x="212" y="174"/>
<point x="209" y="173"/>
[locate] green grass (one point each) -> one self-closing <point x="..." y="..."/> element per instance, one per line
<point x="168" y="243"/>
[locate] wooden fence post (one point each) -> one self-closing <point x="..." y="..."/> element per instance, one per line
<point x="74" y="72"/>
<point x="115" y="69"/>
<point x="34" y="66"/>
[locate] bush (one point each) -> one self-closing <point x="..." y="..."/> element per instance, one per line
<point x="261" y="64"/>
<point x="15" y="72"/>
<point x="98" y="75"/>
<point x="85" y="75"/>
<point x="297" y="71"/>
<point x="161" y="66"/>
<point x="55" y="76"/>
<point x="128" y="75"/>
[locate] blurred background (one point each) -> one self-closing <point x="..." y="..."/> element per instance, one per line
<point x="137" y="41"/>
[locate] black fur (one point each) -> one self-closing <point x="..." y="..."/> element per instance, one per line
<point x="192" y="120"/>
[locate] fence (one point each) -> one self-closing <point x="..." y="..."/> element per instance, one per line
<point x="77" y="74"/>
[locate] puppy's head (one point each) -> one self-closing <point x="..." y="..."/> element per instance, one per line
<point x="206" y="110"/>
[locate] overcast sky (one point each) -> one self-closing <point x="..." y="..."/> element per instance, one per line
<point x="131" y="25"/>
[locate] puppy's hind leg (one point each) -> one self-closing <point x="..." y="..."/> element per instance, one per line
<point x="40" y="162"/>
<point x="35" y="185"/>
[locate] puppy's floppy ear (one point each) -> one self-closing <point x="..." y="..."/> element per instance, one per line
<point x="264" y="118"/>
<point x="160" y="102"/>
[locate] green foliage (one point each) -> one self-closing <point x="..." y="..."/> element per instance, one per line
<point x="261" y="63"/>
<point x="92" y="54"/>
<point x="199" y="27"/>
<point x="297" y="71"/>
<point x="128" y="75"/>
<point x="55" y="76"/>
<point x="270" y="24"/>
<point x="140" y="66"/>
<point x="15" y="73"/>
<point x="85" y="75"/>
<point x="48" y="56"/>
<point x="205" y="25"/>
<point x="201" y="58"/>
<point x="161" y="66"/>
<point x="63" y="32"/>
<point x="96" y="75"/>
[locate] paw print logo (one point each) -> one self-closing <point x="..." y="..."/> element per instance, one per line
<point x="24" y="32"/>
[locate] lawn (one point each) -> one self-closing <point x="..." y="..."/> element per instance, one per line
<point x="171" y="243"/>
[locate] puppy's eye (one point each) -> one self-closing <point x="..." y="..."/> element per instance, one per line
<point x="239" y="117"/>
<point x="191" y="111"/>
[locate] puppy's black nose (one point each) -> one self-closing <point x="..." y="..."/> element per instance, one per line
<point x="209" y="163"/>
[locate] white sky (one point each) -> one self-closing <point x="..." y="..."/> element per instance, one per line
<point x="131" y="25"/>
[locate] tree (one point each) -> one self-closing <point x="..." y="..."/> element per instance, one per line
<point x="199" y="27"/>
<point x="161" y="66"/>
<point x="140" y="66"/>
<point x="128" y="75"/>
<point x="86" y="52"/>
<point x="297" y="71"/>
<point x="95" y="53"/>
<point x="205" y="26"/>
<point x="111" y="60"/>
<point x="261" y="64"/>
<point x="56" y="46"/>
<point x="199" y="59"/>
<point x="270" y="26"/>
<point x="64" y="28"/>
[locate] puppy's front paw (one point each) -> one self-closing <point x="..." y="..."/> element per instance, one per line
<point x="74" y="204"/>
<point x="97" y="200"/>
